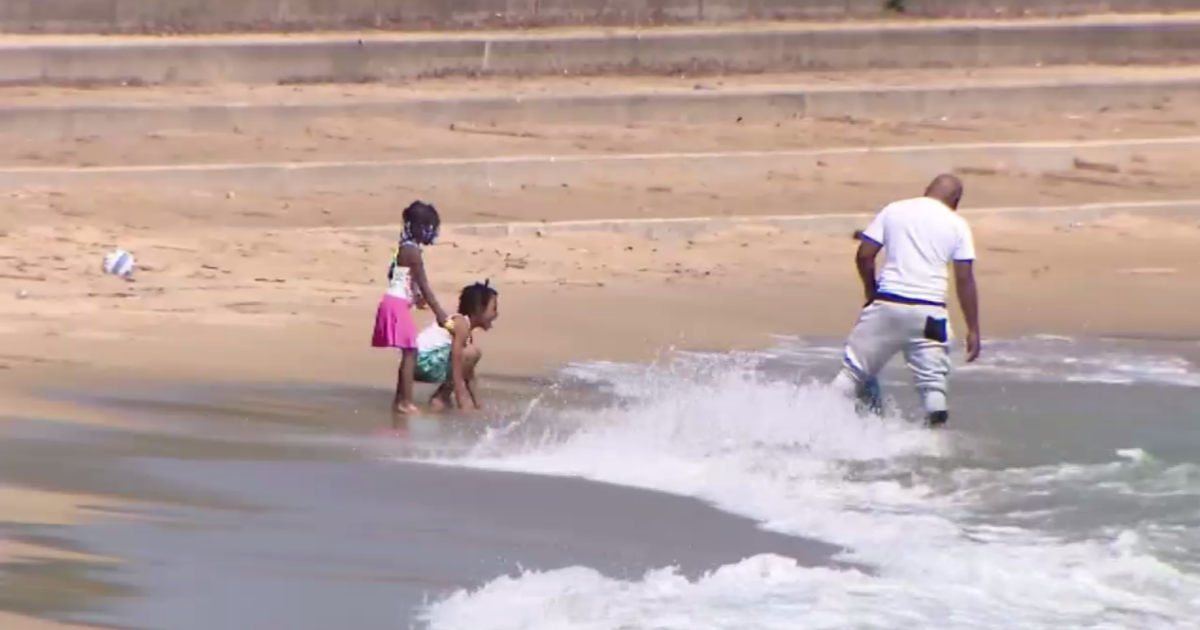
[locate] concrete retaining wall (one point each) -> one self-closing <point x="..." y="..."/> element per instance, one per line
<point x="109" y="16"/>
<point x="264" y="60"/>
<point x="618" y="109"/>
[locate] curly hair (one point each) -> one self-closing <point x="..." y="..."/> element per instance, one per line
<point x="421" y="223"/>
<point x="475" y="298"/>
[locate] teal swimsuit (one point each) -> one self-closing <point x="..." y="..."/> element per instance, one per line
<point x="433" y="351"/>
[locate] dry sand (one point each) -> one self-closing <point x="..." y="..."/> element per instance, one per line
<point x="124" y="210"/>
<point x="367" y="138"/>
<point x="234" y="303"/>
<point x="378" y="137"/>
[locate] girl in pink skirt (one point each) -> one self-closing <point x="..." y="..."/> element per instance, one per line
<point x="408" y="286"/>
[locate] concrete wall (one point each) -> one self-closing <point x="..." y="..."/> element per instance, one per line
<point x="294" y="60"/>
<point x="107" y="16"/>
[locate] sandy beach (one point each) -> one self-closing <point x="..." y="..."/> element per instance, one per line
<point x="224" y="394"/>
<point x="634" y="296"/>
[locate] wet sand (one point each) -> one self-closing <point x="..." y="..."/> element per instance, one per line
<point x="324" y="528"/>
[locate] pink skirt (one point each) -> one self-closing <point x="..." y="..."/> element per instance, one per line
<point x="394" y="326"/>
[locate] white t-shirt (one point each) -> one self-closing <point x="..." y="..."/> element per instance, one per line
<point x="920" y="237"/>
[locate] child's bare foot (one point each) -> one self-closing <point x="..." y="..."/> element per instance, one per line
<point x="406" y="409"/>
<point x="437" y="405"/>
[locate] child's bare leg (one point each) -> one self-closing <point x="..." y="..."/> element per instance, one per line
<point x="403" y="402"/>
<point x="442" y="397"/>
<point x="440" y="401"/>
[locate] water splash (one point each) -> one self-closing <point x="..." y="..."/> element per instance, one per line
<point x="796" y="458"/>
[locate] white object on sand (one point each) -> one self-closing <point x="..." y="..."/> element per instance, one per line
<point x="119" y="263"/>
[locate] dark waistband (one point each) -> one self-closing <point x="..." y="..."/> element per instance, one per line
<point x="900" y="299"/>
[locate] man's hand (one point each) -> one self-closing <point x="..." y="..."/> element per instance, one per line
<point x="974" y="346"/>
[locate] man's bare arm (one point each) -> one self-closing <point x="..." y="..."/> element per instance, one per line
<point x="968" y="297"/>
<point x="868" y="250"/>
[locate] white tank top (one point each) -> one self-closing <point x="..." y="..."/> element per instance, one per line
<point x="434" y="336"/>
<point x="400" y="281"/>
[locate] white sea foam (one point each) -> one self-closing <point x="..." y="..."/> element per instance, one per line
<point x="797" y="460"/>
<point x="1038" y="358"/>
<point x="1050" y="361"/>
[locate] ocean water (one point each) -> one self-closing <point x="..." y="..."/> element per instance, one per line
<point x="1065" y="494"/>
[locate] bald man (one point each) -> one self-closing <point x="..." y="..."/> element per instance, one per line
<point x="906" y="305"/>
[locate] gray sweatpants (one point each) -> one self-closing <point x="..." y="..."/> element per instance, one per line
<point x="885" y="329"/>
